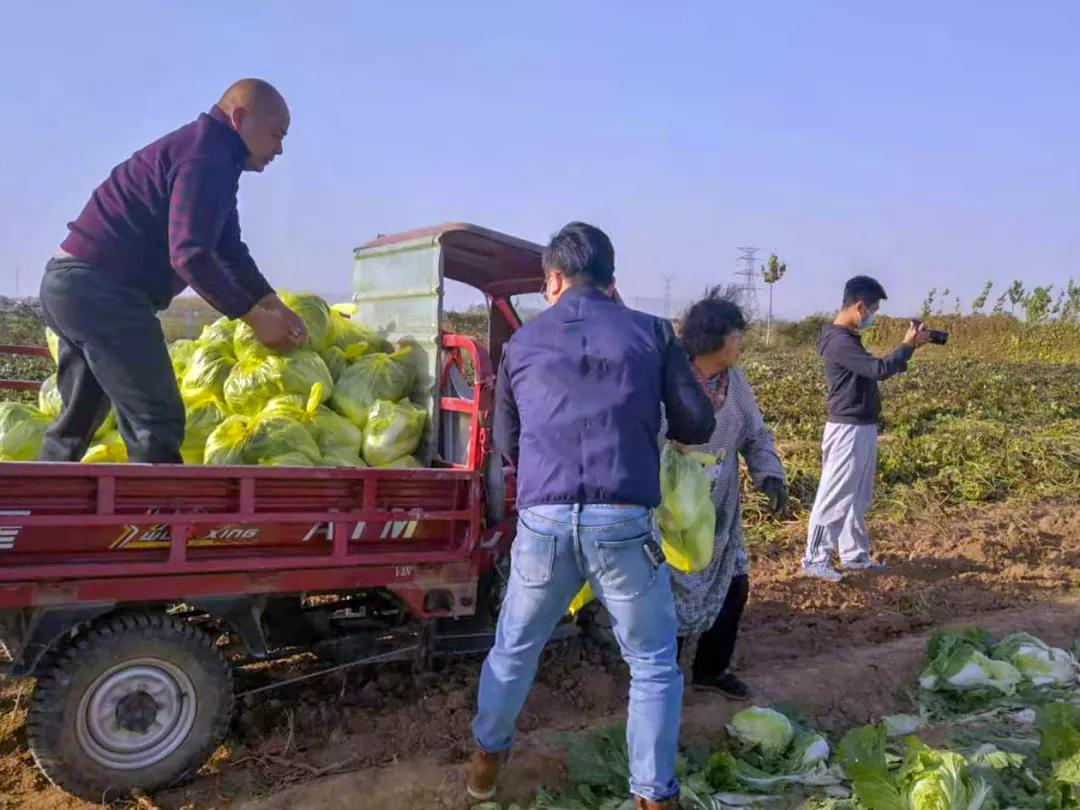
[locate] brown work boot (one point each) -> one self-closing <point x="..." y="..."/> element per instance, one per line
<point x="481" y="774"/>
<point x="647" y="804"/>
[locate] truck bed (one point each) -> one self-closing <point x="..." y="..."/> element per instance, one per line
<point x="89" y="533"/>
<point x="73" y="533"/>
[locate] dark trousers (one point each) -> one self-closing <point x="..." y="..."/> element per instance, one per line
<point x="717" y="644"/>
<point x="111" y="349"/>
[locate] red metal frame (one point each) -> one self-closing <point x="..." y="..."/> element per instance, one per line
<point x="23" y="385"/>
<point x="62" y="517"/>
<point x="480" y="405"/>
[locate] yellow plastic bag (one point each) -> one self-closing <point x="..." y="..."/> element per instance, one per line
<point x="110" y="450"/>
<point x="50" y="402"/>
<point x="21" y="429"/>
<point x="256" y="379"/>
<point x="373" y="377"/>
<point x="686" y="516"/>
<point x="338" y="359"/>
<point x="268" y="441"/>
<point x="52" y="340"/>
<point x="584" y="596"/>
<point x="394" y="430"/>
<point x="180" y="352"/>
<point x="207" y="371"/>
<point x="346" y="331"/>
<point x="311" y="309"/>
<point x="219" y="333"/>
<point x="315" y="314"/>
<point x="202" y="419"/>
<point x="339" y="440"/>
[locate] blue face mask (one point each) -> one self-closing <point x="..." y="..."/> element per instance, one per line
<point x="867" y="322"/>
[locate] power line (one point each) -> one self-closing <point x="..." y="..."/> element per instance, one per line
<point x="668" y="280"/>
<point x="748" y="272"/>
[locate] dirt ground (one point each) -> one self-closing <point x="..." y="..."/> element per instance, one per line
<point x="842" y="654"/>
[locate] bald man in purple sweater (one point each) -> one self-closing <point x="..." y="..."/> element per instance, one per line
<point x="163" y="220"/>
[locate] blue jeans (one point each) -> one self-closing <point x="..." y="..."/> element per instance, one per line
<point x="558" y="548"/>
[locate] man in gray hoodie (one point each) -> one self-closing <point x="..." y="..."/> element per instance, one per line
<point x="849" y="447"/>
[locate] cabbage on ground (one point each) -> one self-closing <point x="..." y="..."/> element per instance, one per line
<point x="1018" y="752"/>
<point x="1040" y="663"/>
<point x="927" y="778"/>
<point x="961" y="663"/>
<point x="765" y="729"/>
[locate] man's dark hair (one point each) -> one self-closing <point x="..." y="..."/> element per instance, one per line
<point x="708" y="323"/>
<point x="864" y="290"/>
<point x="583" y="254"/>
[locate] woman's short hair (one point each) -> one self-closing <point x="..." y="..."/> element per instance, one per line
<point x="708" y="323"/>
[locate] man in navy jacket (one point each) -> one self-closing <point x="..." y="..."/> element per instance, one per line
<point x="577" y="412"/>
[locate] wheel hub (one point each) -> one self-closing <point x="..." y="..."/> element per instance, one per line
<point x="136" y="713"/>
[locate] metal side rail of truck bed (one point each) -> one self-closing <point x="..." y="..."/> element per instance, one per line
<point x="127" y="532"/>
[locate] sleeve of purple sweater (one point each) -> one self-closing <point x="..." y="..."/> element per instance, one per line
<point x="236" y="257"/>
<point x="201" y="201"/>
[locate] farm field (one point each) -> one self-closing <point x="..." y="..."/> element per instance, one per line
<point x="977" y="515"/>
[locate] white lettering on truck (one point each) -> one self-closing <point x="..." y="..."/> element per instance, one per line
<point x="9" y="533"/>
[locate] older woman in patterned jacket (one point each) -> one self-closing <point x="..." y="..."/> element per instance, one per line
<point x="709" y="604"/>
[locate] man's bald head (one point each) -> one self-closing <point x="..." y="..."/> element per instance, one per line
<point x="253" y="94"/>
<point x="260" y="116"/>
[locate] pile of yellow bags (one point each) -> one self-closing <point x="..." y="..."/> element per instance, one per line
<point x="340" y="401"/>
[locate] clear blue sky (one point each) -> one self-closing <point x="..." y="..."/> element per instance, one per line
<point x="929" y="143"/>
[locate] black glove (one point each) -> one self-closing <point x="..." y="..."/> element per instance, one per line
<point x="776" y="490"/>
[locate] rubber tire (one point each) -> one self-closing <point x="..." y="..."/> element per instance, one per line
<point x="70" y="672"/>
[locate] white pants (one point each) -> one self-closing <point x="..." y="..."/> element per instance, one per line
<point x="848" y="464"/>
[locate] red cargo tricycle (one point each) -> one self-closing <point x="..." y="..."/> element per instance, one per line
<point x="122" y="584"/>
